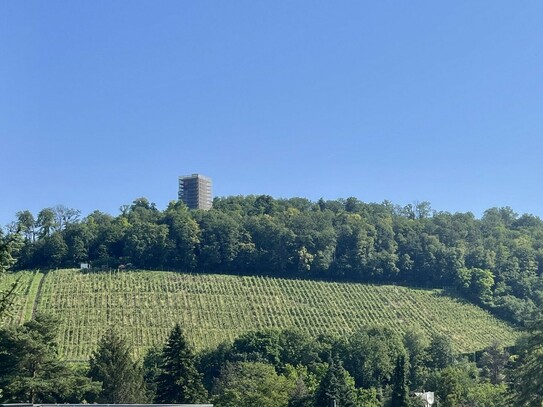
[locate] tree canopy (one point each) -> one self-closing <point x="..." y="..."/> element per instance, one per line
<point x="113" y="366"/>
<point x="31" y="370"/>
<point x="495" y="261"/>
<point x="178" y="380"/>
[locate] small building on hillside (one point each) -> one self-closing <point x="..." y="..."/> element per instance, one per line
<point x="427" y="398"/>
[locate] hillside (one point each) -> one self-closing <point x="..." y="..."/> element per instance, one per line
<point x="214" y="308"/>
<point x="495" y="260"/>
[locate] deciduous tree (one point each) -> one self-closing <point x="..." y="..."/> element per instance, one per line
<point x="250" y="384"/>
<point x="372" y="355"/>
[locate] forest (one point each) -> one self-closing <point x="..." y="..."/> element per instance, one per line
<point x="495" y="261"/>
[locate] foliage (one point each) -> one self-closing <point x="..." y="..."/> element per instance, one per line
<point x="254" y="370"/>
<point x="368" y="398"/>
<point x="416" y="344"/>
<point x="31" y="370"/>
<point x="528" y="377"/>
<point x="211" y="361"/>
<point x="178" y="380"/>
<point x="488" y="395"/>
<point x="441" y="351"/>
<point x="400" y="389"/>
<point x="336" y="385"/>
<point x="455" y="383"/>
<point x="373" y="354"/>
<point x="249" y="384"/>
<point x="299" y="348"/>
<point x="496" y="261"/>
<point x="460" y="385"/>
<point x="493" y="362"/>
<point x="305" y="385"/>
<point x="151" y="369"/>
<point x="8" y="245"/>
<point x="112" y="365"/>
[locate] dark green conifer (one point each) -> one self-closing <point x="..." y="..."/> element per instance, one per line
<point x="31" y="370"/>
<point x="336" y="385"/>
<point x="400" y="390"/>
<point x="179" y="381"/>
<point x="121" y="376"/>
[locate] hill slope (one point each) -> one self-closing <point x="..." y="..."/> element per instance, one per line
<point x="214" y="308"/>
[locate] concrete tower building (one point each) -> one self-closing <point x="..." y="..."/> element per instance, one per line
<point x="195" y="191"/>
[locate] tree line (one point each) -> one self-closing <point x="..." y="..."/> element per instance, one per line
<point x="495" y="261"/>
<point x="374" y="367"/>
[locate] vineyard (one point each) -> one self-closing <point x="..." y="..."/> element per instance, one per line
<point x="25" y="295"/>
<point x="215" y="308"/>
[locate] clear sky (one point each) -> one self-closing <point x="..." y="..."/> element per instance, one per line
<point x="102" y="102"/>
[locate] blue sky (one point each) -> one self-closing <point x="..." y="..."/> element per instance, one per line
<point x="103" y="102"/>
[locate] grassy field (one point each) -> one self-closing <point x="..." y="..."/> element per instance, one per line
<point x="214" y="308"/>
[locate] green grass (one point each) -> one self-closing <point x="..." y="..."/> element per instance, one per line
<point x="215" y="308"/>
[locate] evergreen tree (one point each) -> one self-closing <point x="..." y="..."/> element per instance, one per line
<point x="151" y="369"/>
<point x="8" y="245"/>
<point x="304" y="385"/>
<point x="336" y="385"/>
<point x="300" y="396"/>
<point x="493" y="362"/>
<point x="416" y="344"/>
<point x="441" y="351"/>
<point x="31" y="370"/>
<point x="121" y="377"/>
<point x="400" y="391"/>
<point x="179" y="381"/>
<point x="528" y="375"/>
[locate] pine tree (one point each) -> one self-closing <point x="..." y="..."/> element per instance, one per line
<point x="8" y="245"/>
<point x="336" y="385"/>
<point x="32" y="371"/>
<point x="300" y="396"/>
<point x="528" y="375"/>
<point x="179" y="381"/>
<point x="400" y="391"/>
<point x="121" y="377"/>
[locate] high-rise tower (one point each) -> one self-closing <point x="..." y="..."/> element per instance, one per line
<point x="195" y="191"/>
